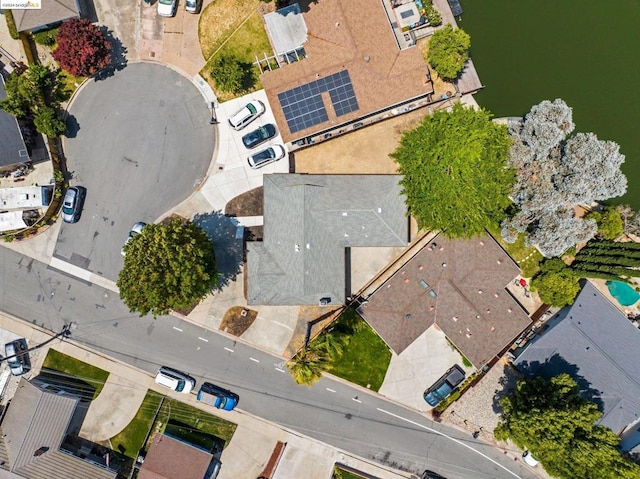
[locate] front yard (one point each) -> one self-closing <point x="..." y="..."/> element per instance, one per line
<point x="87" y="379"/>
<point x="233" y="28"/>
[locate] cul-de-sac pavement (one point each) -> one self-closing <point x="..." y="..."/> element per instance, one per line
<point x="151" y="139"/>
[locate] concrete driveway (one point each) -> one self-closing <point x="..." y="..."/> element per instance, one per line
<point x="140" y="142"/>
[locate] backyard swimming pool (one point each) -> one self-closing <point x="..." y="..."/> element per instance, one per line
<point x="624" y="294"/>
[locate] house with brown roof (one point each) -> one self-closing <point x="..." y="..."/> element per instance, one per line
<point x="171" y="458"/>
<point x="458" y="286"/>
<point x="348" y="67"/>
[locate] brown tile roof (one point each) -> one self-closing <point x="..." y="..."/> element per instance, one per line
<point x="472" y="306"/>
<point x="341" y="33"/>
<point x="169" y="458"/>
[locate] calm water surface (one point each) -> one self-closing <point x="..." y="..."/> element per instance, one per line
<point x="586" y="52"/>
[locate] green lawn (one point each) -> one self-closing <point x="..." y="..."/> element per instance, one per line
<point x="527" y="257"/>
<point x="365" y="359"/>
<point x="249" y="40"/>
<point x="91" y="375"/>
<point x="342" y="474"/>
<point x="130" y="440"/>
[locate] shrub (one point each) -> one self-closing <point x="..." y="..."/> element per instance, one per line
<point x="449" y="51"/>
<point x="82" y="48"/>
<point x="232" y="75"/>
<point x="433" y="15"/>
<point x="46" y="37"/>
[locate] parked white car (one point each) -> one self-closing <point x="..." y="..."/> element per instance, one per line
<point x="167" y="8"/>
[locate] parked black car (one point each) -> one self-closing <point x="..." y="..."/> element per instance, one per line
<point x="259" y="136"/>
<point x="445" y="385"/>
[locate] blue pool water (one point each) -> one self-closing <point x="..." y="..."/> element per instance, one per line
<point x="624" y="293"/>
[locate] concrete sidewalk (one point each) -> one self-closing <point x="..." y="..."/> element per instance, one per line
<point x="247" y="453"/>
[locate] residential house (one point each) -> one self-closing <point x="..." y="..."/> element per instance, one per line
<point x="51" y="14"/>
<point x="172" y="458"/>
<point x="310" y="222"/>
<point x="458" y="286"/>
<point x="342" y="62"/>
<point x="13" y="150"/>
<point x="35" y="442"/>
<point x="597" y="345"/>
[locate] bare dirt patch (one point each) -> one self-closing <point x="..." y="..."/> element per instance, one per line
<point x="237" y="320"/>
<point x="365" y="151"/>
<point x="246" y="204"/>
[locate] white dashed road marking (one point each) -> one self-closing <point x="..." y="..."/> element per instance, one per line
<point x="177" y="329"/>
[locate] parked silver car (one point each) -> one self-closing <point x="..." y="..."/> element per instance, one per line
<point x="246" y="114"/>
<point x="72" y="204"/>
<point x="136" y="229"/>
<point x="266" y="156"/>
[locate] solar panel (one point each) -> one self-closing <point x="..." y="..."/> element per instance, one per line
<point x="303" y="106"/>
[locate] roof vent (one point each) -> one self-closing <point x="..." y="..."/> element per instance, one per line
<point x="344" y="213"/>
<point x="479" y="291"/>
<point x="297" y="247"/>
<point x="379" y="210"/>
<point x="308" y="245"/>
<point x="481" y="243"/>
<point x="444" y="265"/>
<point x="432" y="293"/>
<point x="455" y="318"/>
<point x="407" y="316"/>
<point x="477" y="316"/>
<point x="367" y="58"/>
<point x="324" y="301"/>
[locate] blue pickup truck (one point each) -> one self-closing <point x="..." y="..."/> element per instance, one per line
<point x="217" y="397"/>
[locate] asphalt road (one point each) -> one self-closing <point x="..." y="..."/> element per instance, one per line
<point x="330" y="411"/>
<point x="140" y="142"/>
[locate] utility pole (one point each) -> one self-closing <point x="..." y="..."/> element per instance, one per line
<point x="65" y="333"/>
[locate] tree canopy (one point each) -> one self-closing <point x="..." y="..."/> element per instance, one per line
<point x="555" y="174"/>
<point x="233" y="75"/>
<point x="556" y="283"/>
<point x="455" y="172"/>
<point x="609" y="222"/>
<point x="559" y="428"/>
<point x="449" y="51"/>
<point x="82" y="49"/>
<point x="167" y="267"/>
<point x="36" y="95"/>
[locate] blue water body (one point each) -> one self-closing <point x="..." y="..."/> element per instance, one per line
<point x="624" y="293"/>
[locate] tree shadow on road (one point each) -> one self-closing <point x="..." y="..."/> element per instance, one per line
<point x="118" y="56"/>
<point x="228" y="241"/>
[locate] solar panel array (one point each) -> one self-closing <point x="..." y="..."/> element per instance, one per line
<point x="303" y="106"/>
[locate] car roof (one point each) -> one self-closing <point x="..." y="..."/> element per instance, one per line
<point x="455" y="376"/>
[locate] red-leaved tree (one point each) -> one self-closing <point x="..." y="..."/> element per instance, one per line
<point x="82" y="48"/>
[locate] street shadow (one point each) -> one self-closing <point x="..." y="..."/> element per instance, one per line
<point x="73" y="127"/>
<point x="556" y="365"/>
<point x="228" y="241"/>
<point x="118" y="56"/>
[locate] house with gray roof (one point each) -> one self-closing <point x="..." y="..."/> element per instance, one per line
<point x="13" y="150"/>
<point x="50" y="14"/>
<point x="597" y="345"/>
<point x="309" y="223"/>
<point x="458" y="286"/>
<point x="32" y="434"/>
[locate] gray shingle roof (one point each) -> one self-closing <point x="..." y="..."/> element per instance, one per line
<point x="50" y="13"/>
<point x="308" y="222"/>
<point x="597" y="345"/>
<point x="12" y="147"/>
<point x="460" y="285"/>
<point x="39" y="419"/>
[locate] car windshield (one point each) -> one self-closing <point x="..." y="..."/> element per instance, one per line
<point x="166" y="2"/>
<point x="252" y="109"/>
<point x="266" y="154"/>
<point x="180" y="386"/>
<point x="67" y="208"/>
<point x="191" y="3"/>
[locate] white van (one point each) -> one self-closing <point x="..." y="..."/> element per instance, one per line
<point x="175" y="380"/>
<point x="246" y="114"/>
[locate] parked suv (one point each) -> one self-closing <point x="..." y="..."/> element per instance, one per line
<point x="217" y="397"/>
<point x="259" y="136"/>
<point x="266" y="156"/>
<point x="17" y="354"/>
<point x="175" y="380"/>
<point x="444" y="386"/>
<point x="246" y="114"/>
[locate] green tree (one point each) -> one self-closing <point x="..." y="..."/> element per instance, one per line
<point x="610" y="224"/>
<point x="455" y="171"/>
<point x="556" y="283"/>
<point x="559" y="428"/>
<point x="47" y="122"/>
<point x="232" y="75"/>
<point x="169" y="266"/>
<point x="449" y="51"/>
<point x="307" y="366"/>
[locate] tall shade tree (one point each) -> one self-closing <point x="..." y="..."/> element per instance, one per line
<point x="455" y="172"/>
<point x="555" y="174"/>
<point x="556" y="283"/>
<point x="167" y="267"/>
<point x="449" y="51"/>
<point x="558" y="426"/>
<point x="82" y="48"/>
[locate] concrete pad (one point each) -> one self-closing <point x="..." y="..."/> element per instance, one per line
<point x="247" y="454"/>
<point x="418" y="367"/>
<point x="366" y="263"/>
<point x="295" y="459"/>
<point x="273" y="328"/>
<point x="113" y="409"/>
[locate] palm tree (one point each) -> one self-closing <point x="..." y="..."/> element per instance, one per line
<point x="307" y="366"/>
